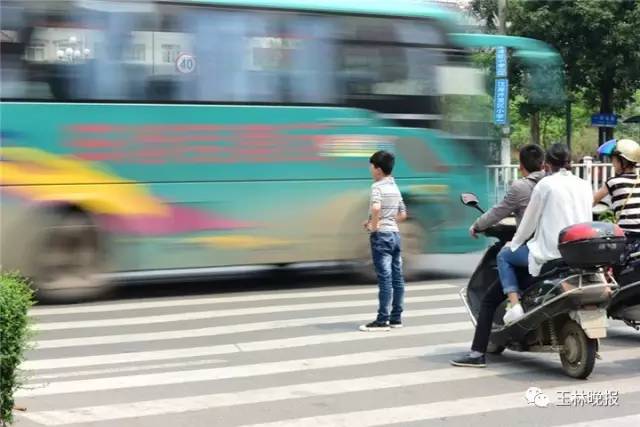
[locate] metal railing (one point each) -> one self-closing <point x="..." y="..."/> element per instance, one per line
<point x="500" y="177"/>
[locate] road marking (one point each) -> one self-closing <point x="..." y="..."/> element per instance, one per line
<point x="628" y="421"/>
<point x="212" y="313"/>
<point x="202" y="402"/>
<point x="121" y="369"/>
<point x="222" y="299"/>
<point x="167" y="406"/>
<point x="182" y="377"/>
<point x="143" y="356"/>
<point x="442" y="409"/>
<point x="232" y="329"/>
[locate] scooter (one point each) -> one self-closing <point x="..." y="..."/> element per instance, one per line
<point x="565" y="306"/>
<point x="625" y="301"/>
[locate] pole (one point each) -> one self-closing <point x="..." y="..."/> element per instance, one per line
<point x="505" y="142"/>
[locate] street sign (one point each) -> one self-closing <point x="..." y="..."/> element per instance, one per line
<point x="501" y="62"/>
<point x="501" y="102"/>
<point x="604" y="120"/>
<point x="185" y="63"/>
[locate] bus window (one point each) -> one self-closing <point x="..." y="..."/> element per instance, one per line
<point x="13" y="49"/>
<point x="83" y="53"/>
<point x="313" y="66"/>
<point x="236" y="54"/>
<point x="390" y="66"/>
<point x="261" y="56"/>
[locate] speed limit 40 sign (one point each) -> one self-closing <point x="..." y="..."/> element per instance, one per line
<point x="185" y="63"/>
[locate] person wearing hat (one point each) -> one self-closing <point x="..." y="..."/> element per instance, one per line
<point x="624" y="186"/>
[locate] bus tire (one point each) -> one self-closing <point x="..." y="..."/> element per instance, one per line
<point x="68" y="257"/>
<point x="412" y="237"/>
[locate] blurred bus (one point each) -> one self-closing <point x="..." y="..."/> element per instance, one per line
<point x="162" y="139"/>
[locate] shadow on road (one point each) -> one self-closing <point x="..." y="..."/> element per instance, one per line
<point x="438" y="267"/>
<point x="264" y="281"/>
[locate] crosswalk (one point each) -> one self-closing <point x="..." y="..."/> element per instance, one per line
<point x="296" y="358"/>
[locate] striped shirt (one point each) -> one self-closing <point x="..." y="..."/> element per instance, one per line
<point x="386" y="193"/>
<point x="619" y="188"/>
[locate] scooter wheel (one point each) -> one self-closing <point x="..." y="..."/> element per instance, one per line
<point x="578" y="354"/>
<point x="494" y="348"/>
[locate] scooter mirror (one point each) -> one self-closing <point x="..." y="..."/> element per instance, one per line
<point x="469" y="199"/>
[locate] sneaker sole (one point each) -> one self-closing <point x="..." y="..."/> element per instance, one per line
<point x="468" y="365"/>
<point x="396" y="326"/>
<point x="375" y="329"/>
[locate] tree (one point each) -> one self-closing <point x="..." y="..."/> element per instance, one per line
<point x="597" y="40"/>
<point x="487" y="12"/>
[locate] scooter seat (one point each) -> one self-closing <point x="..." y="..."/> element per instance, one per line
<point x="549" y="268"/>
<point x="552" y="266"/>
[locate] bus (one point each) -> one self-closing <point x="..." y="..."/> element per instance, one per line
<point x="156" y="139"/>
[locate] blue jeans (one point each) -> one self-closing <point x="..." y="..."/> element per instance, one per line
<point x="507" y="263"/>
<point x="387" y="260"/>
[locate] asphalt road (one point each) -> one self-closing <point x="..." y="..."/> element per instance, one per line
<point x="285" y="350"/>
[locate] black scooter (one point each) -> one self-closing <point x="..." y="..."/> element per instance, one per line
<point x="565" y="306"/>
<point x="625" y="302"/>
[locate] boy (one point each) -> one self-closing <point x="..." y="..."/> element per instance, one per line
<point x="386" y="209"/>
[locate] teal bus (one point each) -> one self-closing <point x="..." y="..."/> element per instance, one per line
<point x="155" y="139"/>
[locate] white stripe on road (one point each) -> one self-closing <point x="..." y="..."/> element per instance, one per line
<point x="202" y="402"/>
<point x="445" y="409"/>
<point x="628" y="421"/>
<point x="211" y="314"/>
<point x="231" y="329"/>
<point x="182" y="377"/>
<point x="168" y="406"/>
<point x="302" y="341"/>
<point x="222" y="299"/>
<point x="120" y="369"/>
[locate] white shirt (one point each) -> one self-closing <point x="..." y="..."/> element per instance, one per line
<point x="558" y="201"/>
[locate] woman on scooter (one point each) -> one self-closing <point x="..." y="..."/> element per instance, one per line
<point x="624" y="189"/>
<point x="559" y="200"/>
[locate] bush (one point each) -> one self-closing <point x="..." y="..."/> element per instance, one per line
<point x="16" y="297"/>
<point x="607" y="216"/>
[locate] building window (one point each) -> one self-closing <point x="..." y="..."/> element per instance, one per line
<point x="35" y="52"/>
<point x="137" y="53"/>
<point x="170" y="53"/>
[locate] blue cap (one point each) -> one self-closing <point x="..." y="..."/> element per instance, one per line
<point x="607" y="148"/>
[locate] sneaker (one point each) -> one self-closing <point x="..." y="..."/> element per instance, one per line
<point x="470" y="362"/>
<point x="375" y="326"/>
<point x="514" y="314"/>
<point x="395" y="324"/>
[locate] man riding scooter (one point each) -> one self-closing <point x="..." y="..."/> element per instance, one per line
<point x="514" y="203"/>
<point x="558" y="201"/>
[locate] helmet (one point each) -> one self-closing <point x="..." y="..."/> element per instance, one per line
<point x="628" y="149"/>
<point x="625" y="148"/>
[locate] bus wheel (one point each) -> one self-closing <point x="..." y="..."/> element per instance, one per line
<point x="68" y="258"/>
<point x="413" y="237"/>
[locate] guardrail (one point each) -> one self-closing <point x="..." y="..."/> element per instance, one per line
<point x="500" y="177"/>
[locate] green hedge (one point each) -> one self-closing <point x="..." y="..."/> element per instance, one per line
<point x="16" y="297"/>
